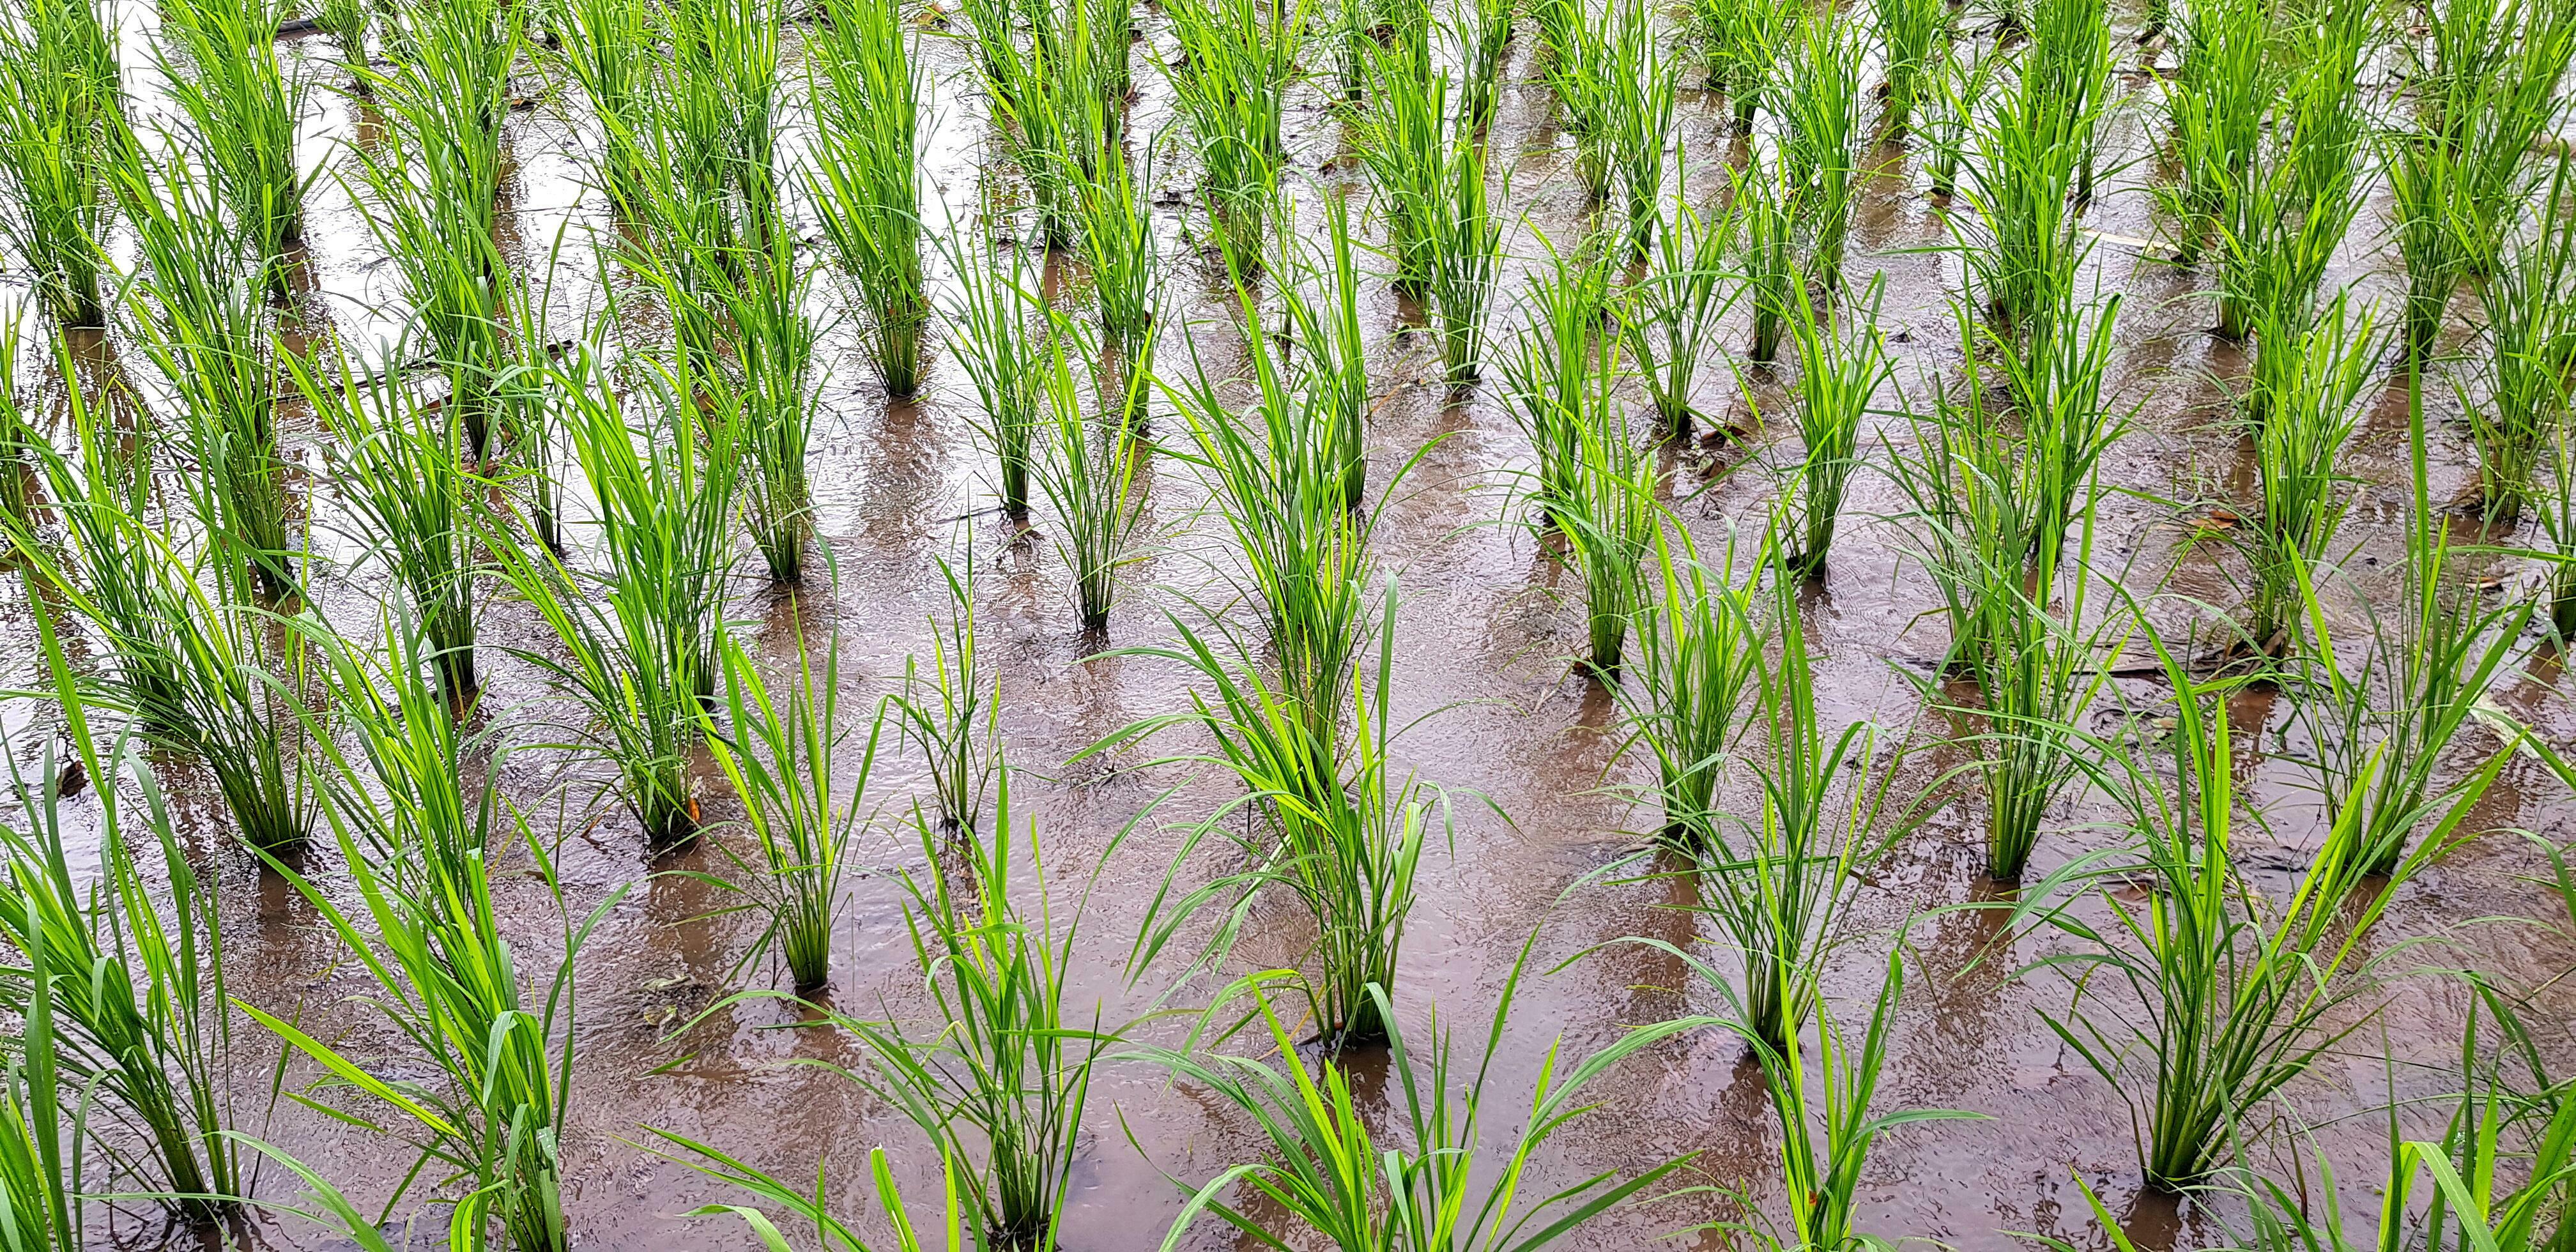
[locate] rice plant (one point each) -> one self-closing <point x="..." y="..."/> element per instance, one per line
<point x="1238" y="59"/>
<point x="1405" y="143"/>
<point x="1610" y="520"/>
<point x="1777" y="881"/>
<point x="44" y="1213"/>
<point x="771" y="385"/>
<point x="205" y="328"/>
<point x="2309" y="414"/>
<point x="996" y="329"/>
<point x="433" y="191"/>
<point x="782" y="752"/>
<point x="2235" y="994"/>
<point x="1279" y="478"/>
<point x="2531" y="345"/>
<point x="1332" y="1175"/>
<point x="2282" y="216"/>
<point x="607" y="54"/>
<point x="1842" y="362"/>
<point x="1764" y="206"/>
<point x="59" y="102"/>
<point x="242" y="106"/>
<point x="1824" y="1186"/>
<point x="418" y="841"/>
<point x="2433" y="229"/>
<point x="1914" y="37"/>
<point x="1552" y="381"/>
<point x="1482" y="29"/>
<point x="1118" y="244"/>
<point x="1699" y="638"/>
<point x="121" y="983"/>
<point x="1579" y="70"/>
<point x="2028" y="163"/>
<point x="719" y="96"/>
<point x="1331" y="823"/>
<point x="1817" y="99"/>
<point x="347" y="23"/>
<point x="1094" y="480"/>
<point x="2226" y="77"/>
<point x="2557" y="517"/>
<point x="1741" y="42"/>
<point x="997" y="1079"/>
<point x="2053" y="379"/>
<point x="1667" y="316"/>
<point x="1329" y="336"/>
<point x="2488" y="94"/>
<point x="951" y="715"/>
<point x="2385" y="729"/>
<point x="1466" y="251"/>
<point x="397" y="471"/>
<point x="867" y="93"/>
<point x="1640" y="120"/>
<point x="1949" y="123"/>
<point x="639" y="637"/>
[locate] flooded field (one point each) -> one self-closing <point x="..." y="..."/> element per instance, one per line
<point x="1551" y="805"/>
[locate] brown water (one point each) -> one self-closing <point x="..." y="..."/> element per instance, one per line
<point x="1486" y="622"/>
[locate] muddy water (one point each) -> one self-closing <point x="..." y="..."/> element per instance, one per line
<point x="1528" y="748"/>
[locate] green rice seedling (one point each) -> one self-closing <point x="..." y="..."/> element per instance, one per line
<point x="607" y="52"/>
<point x="2384" y="731"/>
<point x="814" y="1204"/>
<point x="1549" y="380"/>
<point x="1331" y="823"/>
<point x="1699" y="637"/>
<point x="1332" y="1175"/>
<point x="952" y="715"/>
<point x="122" y="983"/>
<point x="1914" y="38"/>
<point x="413" y="504"/>
<point x="1842" y="362"/>
<point x="1045" y="97"/>
<point x="639" y="638"/>
<point x="1824" y="1186"/>
<point x="2531" y="345"/>
<point x="1095" y="482"/>
<point x="1818" y="101"/>
<point x="721" y="87"/>
<point x="2021" y="238"/>
<point x="2308" y="417"/>
<point x="1741" y="41"/>
<point x="996" y="330"/>
<point x="2236" y="995"/>
<point x="2043" y="664"/>
<point x="1000" y="1075"/>
<point x="243" y="107"/>
<point x="1279" y="479"/>
<point x="59" y="99"/>
<point x="527" y="406"/>
<point x="2435" y="231"/>
<point x="1404" y="142"/>
<point x="2283" y="215"/>
<point x="2070" y="61"/>
<point x="1118" y="245"/>
<point x="1336" y="351"/>
<point x="499" y="1040"/>
<point x="781" y="751"/>
<point x="1580" y="69"/>
<point x="1778" y="882"/>
<point x="206" y="330"/>
<point x="347" y="24"/>
<point x="1238" y="60"/>
<point x="1667" y="316"/>
<point x="21" y="427"/>
<point x="2227" y="74"/>
<point x="772" y="382"/>
<point x="433" y="192"/>
<point x="1640" y="120"/>
<point x="867" y="94"/>
<point x="1767" y="238"/>
<point x="1482" y="30"/>
<point x="1467" y="256"/>
<point x="1949" y="123"/>
<point x="2054" y="382"/>
<point x="1968" y="496"/>
<point x="44" y="1214"/>
<point x="2494" y="98"/>
<point x="1610" y="521"/>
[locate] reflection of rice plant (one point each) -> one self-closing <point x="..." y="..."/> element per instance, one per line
<point x="58" y="114"/>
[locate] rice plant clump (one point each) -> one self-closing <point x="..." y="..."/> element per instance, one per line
<point x="1842" y="362"/>
<point x="867" y="92"/>
<point x="1094" y="479"/>
<point x="59" y="112"/>
<point x="2309" y="414"/>
<point x="1238" y="59"/>
<point x="242" y="106"/>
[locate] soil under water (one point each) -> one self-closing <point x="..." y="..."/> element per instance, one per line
<point x="1527" y="746"/>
